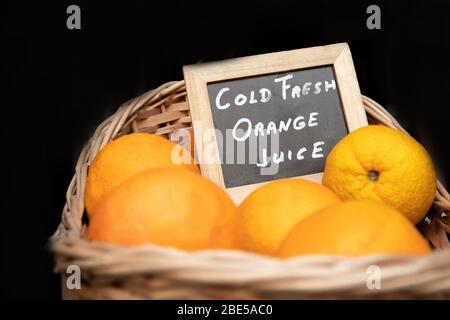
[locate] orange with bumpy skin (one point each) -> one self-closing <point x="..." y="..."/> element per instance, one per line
<point x="354" y="228"/>
<point x="126" y="156"/>
<point x="379" y="163"/>
<point x="169" y="207"/>
<point x="267" y="214"/>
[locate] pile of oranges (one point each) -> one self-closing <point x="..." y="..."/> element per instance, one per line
<point x="377" y="184"/>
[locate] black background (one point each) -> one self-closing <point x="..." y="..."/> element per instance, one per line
<point x="60" y="84"/>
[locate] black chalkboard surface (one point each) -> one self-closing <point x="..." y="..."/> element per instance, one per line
<point x="271" y="116"/>
<point x="305" y="103"/>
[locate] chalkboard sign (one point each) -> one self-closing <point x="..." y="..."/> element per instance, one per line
<point x="267" y="117"/>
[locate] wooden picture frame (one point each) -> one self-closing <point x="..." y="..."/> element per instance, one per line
<point x="198" y="76"/>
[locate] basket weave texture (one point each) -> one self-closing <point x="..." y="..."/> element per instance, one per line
<point x="114" y="272"/>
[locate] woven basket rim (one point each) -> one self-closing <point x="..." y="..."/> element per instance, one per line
<point x="225" y="267"/>
<point x="103" y="249"/>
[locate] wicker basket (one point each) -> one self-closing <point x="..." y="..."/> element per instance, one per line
<point x="114" y="272"/>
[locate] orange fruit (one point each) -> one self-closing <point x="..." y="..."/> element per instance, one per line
<point x="267" y="214"/>
<point x="379" y="163"/>
<point x="168" y="207"/>
<point x="354" y="228"/>
<point x="126" y="156"/>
